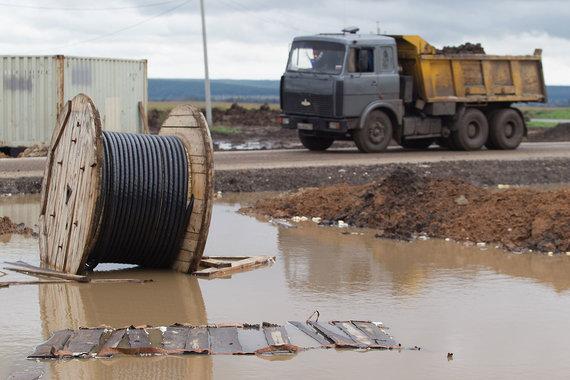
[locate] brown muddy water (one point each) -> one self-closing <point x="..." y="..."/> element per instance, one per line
<point x="502" y="315"/>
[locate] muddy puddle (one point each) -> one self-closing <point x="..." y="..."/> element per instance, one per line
<point x="502" y="315"/>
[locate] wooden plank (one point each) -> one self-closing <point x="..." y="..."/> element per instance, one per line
<point x="311" y="332"/>
<point x="49" y="348"/>
<point x="378" y="336"/>
<point x="337" y="339"/>
<point x="82" y="342"/>
<point x="275" y="335"/>
<point x="174" y="339"/>
<point x="198" y="341"/>
<point x="144" y="118"/>
<point x="213" y="263"/>
<point x="354" y="333"/>
<point x="108" y="348"/>
<point x="138" y="338"/>
<point x="224" y="340"/>
<point x="29" y="269"/>
<point x="236" y="266"/>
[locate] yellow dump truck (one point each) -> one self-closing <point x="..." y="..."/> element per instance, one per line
<point x="374" y="88"/>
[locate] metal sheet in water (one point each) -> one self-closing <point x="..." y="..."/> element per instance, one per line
<point x="224" y="340"/>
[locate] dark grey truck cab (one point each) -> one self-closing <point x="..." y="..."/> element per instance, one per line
<point x="332" y="84"/>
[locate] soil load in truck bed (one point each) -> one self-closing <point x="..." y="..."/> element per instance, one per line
<point x="404" y="204"/>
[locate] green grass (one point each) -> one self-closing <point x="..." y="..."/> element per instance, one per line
<point x="224" y="130"/>
<point x="541" y="124"/>
<point x="547" y="113"/>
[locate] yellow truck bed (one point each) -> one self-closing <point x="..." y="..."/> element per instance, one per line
<point x="471" y="78"/>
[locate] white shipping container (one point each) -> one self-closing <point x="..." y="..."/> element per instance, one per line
<point x="34" y="88"/>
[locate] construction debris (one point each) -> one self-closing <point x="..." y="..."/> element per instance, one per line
<point x="222" y="266"/>
<point x="221" y="339"/>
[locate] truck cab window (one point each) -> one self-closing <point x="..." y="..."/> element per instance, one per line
<point x="387" y="59"/>
<point x="361" y="60"/>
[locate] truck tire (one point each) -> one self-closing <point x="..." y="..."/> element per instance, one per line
<point x="506" y="129"/>
<point x="316" y="143"/>
<point x="418" y="144"/>
<point x="376" y="133"/>
<point x="471" y="130"/>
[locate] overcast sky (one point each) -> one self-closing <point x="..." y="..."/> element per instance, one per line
<point x="249" y="39"/>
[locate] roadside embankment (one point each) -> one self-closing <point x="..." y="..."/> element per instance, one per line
<point x="26" y="176"/>
<point x="404" y="204"/>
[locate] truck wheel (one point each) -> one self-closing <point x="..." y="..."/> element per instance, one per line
<point x="471" y="130"/>
<point x="316" y="143"/>
<point x="417" y="143"/>
<point x="376" y="133"/>
<point x="506" y="129"/>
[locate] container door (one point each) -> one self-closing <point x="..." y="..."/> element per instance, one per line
<point x="388" y="77"/>
<point x="361" y="84"/>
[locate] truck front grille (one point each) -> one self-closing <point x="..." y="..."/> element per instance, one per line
<point x="308" y="104"/>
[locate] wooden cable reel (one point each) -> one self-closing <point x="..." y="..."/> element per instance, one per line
<point x="71" y="202"/>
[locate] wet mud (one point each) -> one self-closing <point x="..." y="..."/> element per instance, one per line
<point x="404" y="205"/>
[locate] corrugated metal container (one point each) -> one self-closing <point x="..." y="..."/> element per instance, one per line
<point x="34" y="88"/>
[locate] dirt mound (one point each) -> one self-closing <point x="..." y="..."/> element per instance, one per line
<point x="237" y="115"/>
<point x="466" y="48"/>
<point x="38" y="150"/>
<point x="8" y="227"/>
<point x="559" y="133"/>
<point x="404" y="204"/>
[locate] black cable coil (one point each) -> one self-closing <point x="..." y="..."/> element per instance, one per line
<point x="144" y="200"/>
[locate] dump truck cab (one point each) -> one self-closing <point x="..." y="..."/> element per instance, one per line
<point x="374" y="89"/>
<point x="332" y="80"/>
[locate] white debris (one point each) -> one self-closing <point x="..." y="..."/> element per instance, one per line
<point x="281" y="223"/>
<point x="316" y="220"/>
<point x="481" y="244"/>
<point x="304" y="219"/>
<point x="342" y="224"/>
<point x="296" y="219"/>
<point x="163" y="329"/>
<point x="423" y="237"/>
<point x="447" y="239"/>
<point x="500" y="186"/>
<point x="218" y="195"/>
<point x="342" y="170"/>
<point x="550" y="253"/>
<point x="568" y="253"/>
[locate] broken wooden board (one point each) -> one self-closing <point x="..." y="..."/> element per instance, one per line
<point x="240" y="339"/>
<point x="221" y="266"/>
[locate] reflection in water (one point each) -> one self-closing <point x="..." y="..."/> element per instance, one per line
<point x="21" y="208"/>
<point x="325" y="260"/>
<point x="171" y="298"/>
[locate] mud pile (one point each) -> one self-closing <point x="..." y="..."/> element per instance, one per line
<point x="466" y="48"/>
<point x="559" y="133"/>
<point x="403" y="205"/>
<point x="37" y="150"/>
<point x="237" y="115"/>
<point x="8" y="227"/>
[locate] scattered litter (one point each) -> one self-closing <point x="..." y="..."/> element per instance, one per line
<point x="500" y="186"/>
<point x="550" y="253"/>
<point x="447" y="239"/>
<point x="461" y="200"/>
<point x="342" y="224"/>
<point x="282" y="223"/>
<point x="316" y="220"/>
<point x="342" y="170"/>
<point x="218" y="195"/>
<point x="214" y="339"/>
<point x="481" y="244"/>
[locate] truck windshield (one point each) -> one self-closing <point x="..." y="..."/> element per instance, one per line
<point x="316" y="57"/>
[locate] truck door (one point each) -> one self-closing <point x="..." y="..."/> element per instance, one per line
<point x="361" y="84"/>
<point x="388" y="76"/>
